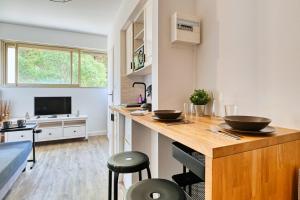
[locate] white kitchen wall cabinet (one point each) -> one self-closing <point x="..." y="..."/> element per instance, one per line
<point x="129" y="49"/>
<point x="148" y="32"/>
<point x="139" y="42"/>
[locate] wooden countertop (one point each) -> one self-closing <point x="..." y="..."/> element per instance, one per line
<point x="197" y="136"/>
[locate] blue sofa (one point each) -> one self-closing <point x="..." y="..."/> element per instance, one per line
<point x="13" y="160"/>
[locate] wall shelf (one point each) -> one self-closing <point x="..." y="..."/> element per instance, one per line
<point x="142" y="72"/>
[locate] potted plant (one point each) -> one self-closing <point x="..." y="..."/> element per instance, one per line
<point x="200" y="98"/>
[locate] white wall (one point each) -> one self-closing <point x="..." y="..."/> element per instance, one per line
<point x="52" y="36"/>
<point x="278" y="60"/>
<point x="250" y="52"/>
<point x="91" y="102"/>
<point x="173" y="76"/>
<point x="116" y="40"/>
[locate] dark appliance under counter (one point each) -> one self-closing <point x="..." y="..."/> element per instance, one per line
<point x="193" y="175"/>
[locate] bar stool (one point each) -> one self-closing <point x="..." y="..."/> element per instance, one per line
<point x="156" y="189"/>
<point x="126" y="162"/>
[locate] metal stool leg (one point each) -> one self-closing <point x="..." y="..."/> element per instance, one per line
<point x="149" y="173"/>
<point x="116" y="178"/>
<point x="184" y="171"/>
<point x="140" y="175"/>
<point x="190" y="190"/>
<point x="109" y="184"/>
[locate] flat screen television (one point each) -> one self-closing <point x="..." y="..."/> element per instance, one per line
<point x="52" y="106"/>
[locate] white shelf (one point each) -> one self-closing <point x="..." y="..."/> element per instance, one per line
<point x="142" y="72"/>
<point x="139" y="35"/>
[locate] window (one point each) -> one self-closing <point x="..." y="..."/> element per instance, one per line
<point x="54" y="66"/>
<point x="93" y="70"/>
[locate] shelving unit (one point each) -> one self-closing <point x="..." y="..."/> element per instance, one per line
<point x="138" y="32"/>
<point x="139" y="43"/>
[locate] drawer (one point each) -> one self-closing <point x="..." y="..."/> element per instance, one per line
<point x="18" y="136"/>
<point x="193" y="160"/>
<point x="74" y="132"/>
<point x="50" y="134"/>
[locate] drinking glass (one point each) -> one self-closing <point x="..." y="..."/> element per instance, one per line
<point x="231" y="110"/>
<point x="188" y="111"/>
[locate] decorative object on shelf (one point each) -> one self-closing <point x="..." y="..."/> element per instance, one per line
<point x="4" y="110"/>
<point x="77" y="113"/>
<point x="200" y="98"/>
<point x="21" y="123"/>
<point x="140" y="99"/>
<point x="139" y="58"/>
<point x="7" y="124"/>
<point x="27" y="116"/>
<point x="185" y="29"/>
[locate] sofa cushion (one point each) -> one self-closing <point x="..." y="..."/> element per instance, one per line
<point x="12" y="156"/>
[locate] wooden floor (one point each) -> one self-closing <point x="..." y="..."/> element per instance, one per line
<point x="66" y="171"/>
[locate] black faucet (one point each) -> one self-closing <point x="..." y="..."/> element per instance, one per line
<point x="141" y="83"/>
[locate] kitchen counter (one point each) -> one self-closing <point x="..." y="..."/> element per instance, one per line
<point x="255" y="167"/>
<point x="197" y="135"/>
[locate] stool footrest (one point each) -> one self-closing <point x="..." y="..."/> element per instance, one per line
<point x="186" y="179"/>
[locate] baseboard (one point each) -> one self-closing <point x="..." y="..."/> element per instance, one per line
<point x="95" y="133"/>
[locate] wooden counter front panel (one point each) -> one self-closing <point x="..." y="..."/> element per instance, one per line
<point x="264" y="174"/>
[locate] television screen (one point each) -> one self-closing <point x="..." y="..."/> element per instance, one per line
<point x="52" y="106"/>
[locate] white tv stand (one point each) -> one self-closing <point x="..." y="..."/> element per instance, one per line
<point x="58" y="128"/>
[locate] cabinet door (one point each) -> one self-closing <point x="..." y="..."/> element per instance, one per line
<point x="49" y="134"/>
<point x="129" y="49"/>
<point x="74" y="132"/>
<point x="148" y="33"/>
<point x="18" y="136"/>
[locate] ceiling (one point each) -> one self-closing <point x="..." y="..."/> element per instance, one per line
<point x="87" y="16"/>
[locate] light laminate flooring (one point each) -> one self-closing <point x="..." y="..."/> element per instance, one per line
<point x="66" y="171"/>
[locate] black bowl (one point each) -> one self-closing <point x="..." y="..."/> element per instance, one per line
<point x="247" y="123"/>
<point x="167" y="114"/>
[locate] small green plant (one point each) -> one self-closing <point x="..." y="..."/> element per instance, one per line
<point x="200" y="97"/>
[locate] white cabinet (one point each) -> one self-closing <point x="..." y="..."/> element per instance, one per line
<point x="18" y="136"/>
<point x="129" y="49"/>
<point x="128" y="147"/>
<point x="148" y="32"/>
<point x="54" y="133"/>
<point x="139" y="41"/>
<point x="52" y="129"/>
<point x="74" y="132"/>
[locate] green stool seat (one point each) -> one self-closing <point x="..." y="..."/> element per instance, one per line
<point x="128" y="162"/>
<point x="148" y="189"/>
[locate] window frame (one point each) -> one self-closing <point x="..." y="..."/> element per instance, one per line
<point x="43" y="47"/>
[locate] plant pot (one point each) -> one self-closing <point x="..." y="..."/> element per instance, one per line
<point x="200" y="110"/>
